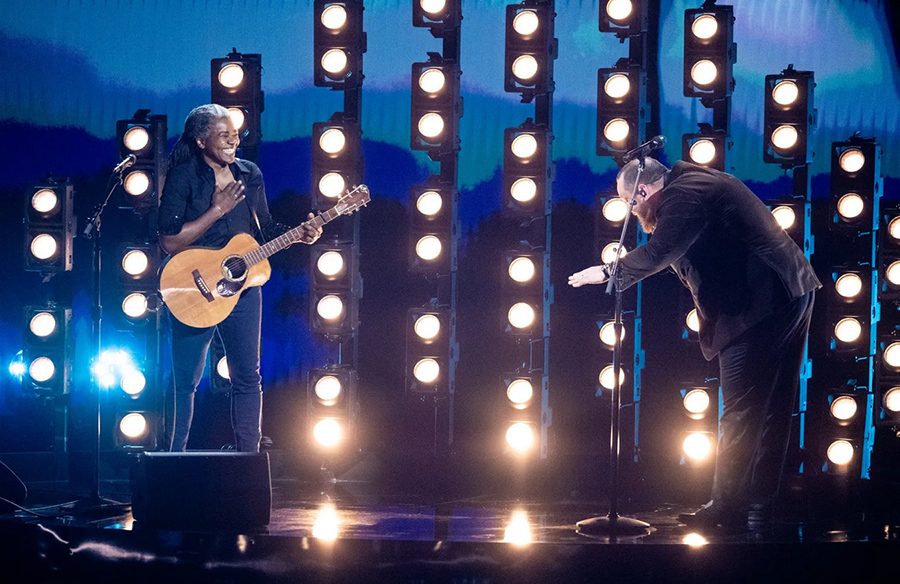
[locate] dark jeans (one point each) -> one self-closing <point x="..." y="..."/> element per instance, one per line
<point x="759" y="376"/>
<point x="240" y="335"/>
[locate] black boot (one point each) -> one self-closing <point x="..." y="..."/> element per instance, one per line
<point x="712" y="515"/>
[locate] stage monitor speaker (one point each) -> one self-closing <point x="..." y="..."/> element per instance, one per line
<point x="12" y="489"/>
<point x="202" y="491"/>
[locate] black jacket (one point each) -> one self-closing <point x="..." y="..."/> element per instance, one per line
<point x="726" y="247"/>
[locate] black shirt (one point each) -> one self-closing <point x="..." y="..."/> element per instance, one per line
<point x="188" y="194"/>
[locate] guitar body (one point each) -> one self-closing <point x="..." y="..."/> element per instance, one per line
<point x="202" y="285"/>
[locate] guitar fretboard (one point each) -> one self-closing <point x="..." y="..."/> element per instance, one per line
<point x="289" y="238"/>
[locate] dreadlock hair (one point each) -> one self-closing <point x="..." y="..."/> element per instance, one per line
<point x="196" y="125"/>
<point x="653" y="171"/>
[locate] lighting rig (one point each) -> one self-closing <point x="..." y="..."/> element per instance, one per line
<point x="236" y="84"/>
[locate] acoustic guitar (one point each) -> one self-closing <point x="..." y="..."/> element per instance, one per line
<point x="201" y="285"/>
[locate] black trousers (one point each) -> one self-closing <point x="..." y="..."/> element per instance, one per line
<point x="759" y="376"/>
<point x="241" y="337"/>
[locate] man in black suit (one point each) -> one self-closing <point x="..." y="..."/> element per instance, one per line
<point x="753" y="289"/>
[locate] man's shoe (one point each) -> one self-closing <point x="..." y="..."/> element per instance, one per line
<point x="712" y="515"/>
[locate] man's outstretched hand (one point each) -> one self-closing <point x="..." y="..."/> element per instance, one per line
<point x="592" y="275"/>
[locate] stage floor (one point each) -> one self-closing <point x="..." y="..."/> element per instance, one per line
<point x="345" y="533"/>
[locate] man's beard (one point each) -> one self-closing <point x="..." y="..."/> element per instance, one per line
<point x="646" y="214"/>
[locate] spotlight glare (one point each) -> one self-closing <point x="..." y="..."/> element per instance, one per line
<point x="334" y="17"/>
<point x="702" y="151"/>
<point x="231" y="75"/>
<point x="616" y="130"/>
<point x="848" y="330"/>
<point x="519" y="392"/>
<point x="893" y="273"/>
<point x="43" y="324"/>
<point x="135" y="262"/>
<point x="851" y="206"/>
<point x="892" y="355"/>
<point x="520" y="437"/>
<point x="840" y="452"/>
<point x="432" y="80"/>
<point x="891" y="400"/>
<point x="696" y="401"/>
<point x="330" y="307"/>
<point x="428" y="248"/>
<point x="704" y="72"/>
<point x="619" y="9"/>
<point x="327" y="525"/>
<point x="523" y="190"/>
<point x="426" y="370"/>
<point x="135" y="305"/>
<point x="427" y="327"/>
<point x="328" y="388"/>
<point x="328" y="433"/>
<point x="697" y="446"/>
<point x="608" y="255"/>
<point x="526" y="22"/>
<point x="524" y="146"/>
<point x="429" y="203"/>
<point x="136" y="138"/>
<point x="607" y="380"/>
<point x="237" y="117"/>
<point x="332" y="141"/>
<point x="44" y="201"/>
<point x="44" y="246"/>
<point x="615" y="209"/>
<point x="608" y="333"/>
<point x="330" y="263"/>
<point x="843" y="408"/>
<point x="433" y="7"/>
<point x="852" y="160"/>
<point x="222" y="368"/>
<point x="332" y="185"/>
<point x="785" y="92"/>
<point x="784" y="216"/>
<point x="617" y="86"/>
<point x="694" y="540"/>
<point x="705" y="26"/>
<point x="518" y="531"/>
<point x="17" y="366"/>
<point x="133" y="425"/>
<point x="785" y="137"/>
<point x="133" y="382"/>
<point x="521" y="269"/>
<point x="42" y="369"/>
<point x="521" y="315"/>
<point x="525" y="67"/>
<point x="334" y="61"/>
<point x="431" y="125"/>
<point x="693" y="320"/>
<point x="137" y="183"/>
<point x="848" y="285"/>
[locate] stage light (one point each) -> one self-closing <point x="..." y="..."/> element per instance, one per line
<point x="702" y="152"/>
<point x="432" y="80"/>
<point x="144" y="137"/>
<point x="894" y="229"/>
<point x="523" y="190"/>
<point x="848" y="330"/>
<point x="133" y="425"/>
<point x="526" y="22"/>
<point x="706" y="148"/>
<point x="427" y="371"/>
<point x="430" y="226"/>
<point x="518" y="530"/>
<point x="520" y="392"/>
<point x="617" y="85"/>
<point x="222" y="368"/>
<point x="892" y="355"/>
<point x="330" y="263"/>
<point x="44" y="246"/>
<point x="694" y="540"/>
<point x="521" y="269"/>
<point x="709" y="51"/>
<point x="333" y="17"/>
<point x="891" y="400"/>
<point x="852" y="160"/>
<point x="49" y="228"/>
<point x="136" y="138"/>
<point x="330" y="307"/>
<point x="525" y="169"/>
<point x="135" y="305"/>
<point x="608" y="255"/>
<point x="785" y="92"/>
<point x="429" y="203"/>
<point x="334" y="62"/>
<point x="521" y="315"/>
<point x="429" y="248"/>
<point x="784" y="137"/>
<point x="135" y="262"/>
<point x="692" y="321"/>
<point x="624" y="17"/>
<point x="427" y="327"/>
<point x="843" y="408"/>
<point x="332" y="185"/>
<point x="621" y="108"/>
<point x="608" y="334"/>
<point x="42" y="369"/>
<point x="327" y="389"/>
<point x="133" y="382"/>
<point x="431" y="126"/>
<point x="336" y="285"/>
<point x="785" y="216"/>
<point x="850" y="206"/>
<point x="856" y="184"/>
<point x="336" y="160"/>
<point x="529" y="49"/>
<point x="704" y="72"/>
<point x="705" y="27"/>
<point x="848" y="285"/>
<point x="332" y="140"/>
<point x="332" y="395"/>
<point x="615" y="210"/>
<point x="607" y="379"/>
<point x="520" y="437"/>
<point x="231" y="75"/>
<point x="892" y="274"/>
<point x="137" y="183"/>
<point x="44" y="200"/>
<point x="17" y="366"/>
<point x="427" y="348"/>
<point x="697" y="446"/>
<point x="338" y="44"/>
<point x="238" y="118"/>
<point x="840" y="452"/>
<point x="696" y="402"/>
<point x="327" y="433"/>
<point x="326" y="527"/>
<point x="525" y="67"/>
<point x="524" y="146"/>
<point x="616" y="130"/>
<point x="619" y="9"/>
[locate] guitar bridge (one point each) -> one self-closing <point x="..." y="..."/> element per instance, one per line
<point x="201" y="286"/>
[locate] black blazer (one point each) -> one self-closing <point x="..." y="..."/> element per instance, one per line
<point x="726" y="247"/>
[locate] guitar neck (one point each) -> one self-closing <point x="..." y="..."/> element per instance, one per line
<point x="290" y="237"/>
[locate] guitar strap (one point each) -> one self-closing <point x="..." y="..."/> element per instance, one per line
<point x="256" y="218"/>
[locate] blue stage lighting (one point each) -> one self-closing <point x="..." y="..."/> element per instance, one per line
<point x="17" y="366"/>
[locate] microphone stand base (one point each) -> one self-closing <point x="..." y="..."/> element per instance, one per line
<point x="607" y="525"/>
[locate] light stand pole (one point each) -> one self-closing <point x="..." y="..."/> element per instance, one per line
<point x="613" y="524"/>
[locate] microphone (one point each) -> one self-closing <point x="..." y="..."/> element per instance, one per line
<point x="644" y="149"/>
<point x="126" y="162"/>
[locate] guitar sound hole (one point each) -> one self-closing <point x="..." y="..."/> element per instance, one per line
<point x="234" y="268"/>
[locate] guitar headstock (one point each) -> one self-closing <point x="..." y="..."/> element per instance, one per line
<point x="353" y="200"/>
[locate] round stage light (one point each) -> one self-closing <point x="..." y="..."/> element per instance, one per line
<point x="697" y="446"/>
<point x="843" y="408"/>
<point x="521" y="269"/>
<point x="433" y="7"/>
<point x="702" y="151"/>
<point x="525" y="67"/>
<point x="784" y="216"/>
<point x="330" y="263"/>
<point x="133" y="425"/>
<point x="519" y="392"/>
<point x="427" y="327"/>
<point x="332" y="140"/>
<point x="520" y="437"/>
<point x="521" y="315"/>
<point x="133" y="382"/>
<point x="237" y="117"/>
<point x="328" y="433"/>
<point x="523" y="190"/>
<point x="17" y="367"/>
<point x="428" y="248"/>
<point x="334" y="62"/>
<point x="852" y="160"/>
<point x="892" y="355"/>
<point x="607" y="380"/>
<point x="617" y="85"/>
<point x="616" y="130"/>
<point x="326" y="526"/>
<point x="518" y="531"/>
<point x="785" y="92"/>
<point x="850" y="206"/>
<point x="848" y="285"/>
<point x="137" y="183"/>
<point x="328" y="388"/>
<point x="135" y="305"/>
<point x="704" y="72"/>
<point x="231" y="75"/>
<point x="608" y="255"/>
<point x="696" y="401"/>
<point x="524" y="146"/>
<point x="894" y="229"/>
<point x="136" y="138"/>
<point x="848" y="330"/>
<point x="619" y="10"/>
<point x="891" y="400"/>
<point x="526" y="22"/>
<point x="705" y="26"/>
<point x="615" y="210"/>
<point x="785" y="137"/>
<point x="135" y="262"/>
<point x="892" y="274"/>
<point x="332" y="185"/>
<point x="43" y="324"/>
<point x="840" y="452"/>
<point x="608" y="333"/>
<point x="330" y="307"/>
<point x="431" y="125"/>
<point x="44" y="200"/>
<point x="44" y="246"/>
<point x="334" y="17"/>
<point x="692" y="321"/>
<point x="429" y="203"/>
<point x="42" y="369"/>
<point x="427" y="370"/>
<point x="222" y="368"/>
<point x="432" y="80"/>
<point x="694" y="540"/>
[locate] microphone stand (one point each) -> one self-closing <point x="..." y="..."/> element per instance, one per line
<point x="613" y="524"/>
